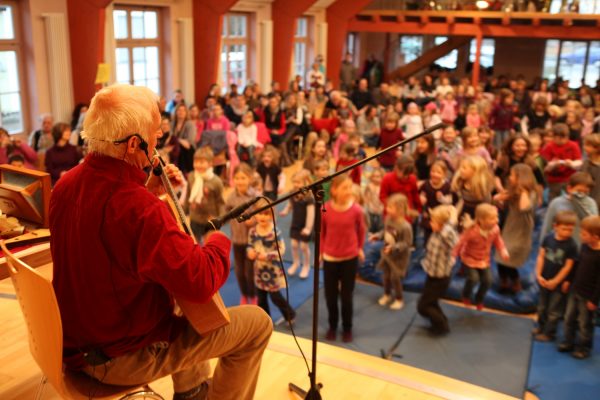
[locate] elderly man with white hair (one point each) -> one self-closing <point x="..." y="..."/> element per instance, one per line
<point x="120" y="258"/>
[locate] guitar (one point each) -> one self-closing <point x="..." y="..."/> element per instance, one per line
<point x="204" y="317"/>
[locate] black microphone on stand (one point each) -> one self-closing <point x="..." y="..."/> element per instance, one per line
<point x="217" y="223"/>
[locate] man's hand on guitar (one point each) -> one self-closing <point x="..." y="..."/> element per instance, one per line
<point x="175" y="176"/>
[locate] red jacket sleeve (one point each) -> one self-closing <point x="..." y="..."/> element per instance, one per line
<point x="169" y="257"/>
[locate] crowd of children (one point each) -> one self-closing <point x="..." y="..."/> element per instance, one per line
<point x="470" y="190"/>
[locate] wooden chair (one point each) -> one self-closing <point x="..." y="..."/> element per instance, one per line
<point x="44" y="328"/>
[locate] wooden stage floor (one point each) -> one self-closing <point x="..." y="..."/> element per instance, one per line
<point x="345" y="374"/>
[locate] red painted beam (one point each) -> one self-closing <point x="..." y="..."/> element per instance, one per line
<point x="86" y="35"/>
<point x="208" y="21"/>
<point x="462" y="29"/>
<point x="284" y="14"/>
<point x="338" y="15"/>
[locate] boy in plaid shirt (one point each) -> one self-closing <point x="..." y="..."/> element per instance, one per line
<point x="438" y="263"/>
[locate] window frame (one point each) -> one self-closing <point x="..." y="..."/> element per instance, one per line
<point x="307" y="40"/>
<point x="130" y="43"/>
<point x="227" y="42"/>
<point x="16" y="44"/>
<point x="586" y="66"/>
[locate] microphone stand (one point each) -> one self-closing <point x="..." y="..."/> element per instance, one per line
<point x="316" y="188"/>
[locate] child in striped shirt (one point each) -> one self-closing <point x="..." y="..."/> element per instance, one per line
<point x="438" y="263"/>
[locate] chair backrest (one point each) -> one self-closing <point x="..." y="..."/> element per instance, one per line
<point x="42" y="316"/>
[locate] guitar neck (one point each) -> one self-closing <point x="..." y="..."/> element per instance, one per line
<point x="175" y="202"/>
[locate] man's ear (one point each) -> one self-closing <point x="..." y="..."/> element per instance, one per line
<point x="132" y="145"/>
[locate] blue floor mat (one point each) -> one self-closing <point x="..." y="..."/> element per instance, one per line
<point x="299" y="290"/>
<point x="558" y="376"/>
<point x="484" y="349"/>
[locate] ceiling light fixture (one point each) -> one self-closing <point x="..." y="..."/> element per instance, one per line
<point x="482" y="4"/>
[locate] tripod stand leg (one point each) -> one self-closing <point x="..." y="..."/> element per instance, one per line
<point x="312" y="394"/>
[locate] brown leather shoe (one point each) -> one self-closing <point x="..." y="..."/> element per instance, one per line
<point x="200" y="392"/>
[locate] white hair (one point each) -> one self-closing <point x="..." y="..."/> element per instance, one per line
<point x="116" y="112"/>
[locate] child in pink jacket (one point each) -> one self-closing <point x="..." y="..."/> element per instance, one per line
<point x="474" y="249"/>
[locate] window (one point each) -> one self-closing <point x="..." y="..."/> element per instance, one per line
<point x="571" y="64"/>
<point x="449" y="61"/>
<point x="11" y="98"/>
<point x="488" y="48"/>
<point x="138" y="52"/>
<point x="585" y="6"/>
<point x="575" y="61"/>
<point x="411" y="48"/>
<point x="301" y="47"/>
<point x="234" y="51"/>
<point x="551" y="59"/>
<point x="351" y="46"/>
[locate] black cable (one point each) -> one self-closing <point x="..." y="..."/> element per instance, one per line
<point x="287" y="286"/>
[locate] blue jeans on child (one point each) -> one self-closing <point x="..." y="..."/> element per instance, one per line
<point x="483" y="276"/>
<point x="551" y="308"/>
<point x="579" y="318"/>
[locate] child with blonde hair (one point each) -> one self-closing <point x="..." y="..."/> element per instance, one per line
<point x="472" y="184"/>
<point x="342" y="240"/>
<point x="243" y="268"/>
<point x="411" y="122"/>
<point x="373" y="205"/>
<point x="270" y="172"/>
<point x="438" y="263"/>
<point x="520" y="199"/>
<point x="302" y="207"/>
<point x="473" y="119"/>
<point x="474" y="248"/>
<point x="203" y="198"/>
<point x="263" y="245"/>
<point x="472" y="145"/>
<point x="397" y="237"/>
<point x="318" y="151"/>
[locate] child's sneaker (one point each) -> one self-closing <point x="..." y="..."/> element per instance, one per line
<point x="304" y="272"/>
<point x="253" y="301"/>
<point x="565" y="347"/>
<point x="243" y="300"/>
<point x="542" y="337"/>
<point x="466" y="301"/>
<point x="347" y="336"/>
<point x="292" y="269"/>
<point x="479" y="306"/>
<point x="384" y="300"/>
<point x="397" y="305"/>
<point x="331" y="334"/>
<point x="580" y="354"/>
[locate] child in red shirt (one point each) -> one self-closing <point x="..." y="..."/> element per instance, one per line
<point x="347" y="158"/>
<point x="390" y="134"/>
<point x="402" y="180"/>
<point x="563" y="158"/>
